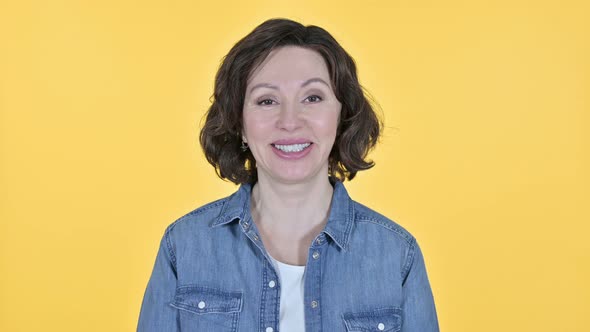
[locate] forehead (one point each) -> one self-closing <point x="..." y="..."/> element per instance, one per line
<point x="290" y="64"/>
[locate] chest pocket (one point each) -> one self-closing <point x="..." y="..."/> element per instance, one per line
<point x="384" y="319"/>
<point x="207" y="309"/>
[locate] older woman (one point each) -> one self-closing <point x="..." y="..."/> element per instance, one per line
<point x="290" y="250"/>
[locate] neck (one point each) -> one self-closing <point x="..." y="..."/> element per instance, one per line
<point x="297" y="208"/>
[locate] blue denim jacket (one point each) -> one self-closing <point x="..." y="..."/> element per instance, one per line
<point x="212" y="273"/>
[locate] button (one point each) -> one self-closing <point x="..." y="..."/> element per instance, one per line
<point x="318" y="241"/>
<point x="272" y="284"/>
<point x="381" y="326"/>
<point x="315" y="255"/>
<point x="201" y="305"/>
<point x="269" y="329"/>
<point x="255" y="237"/>
<point x="314" y="304"/>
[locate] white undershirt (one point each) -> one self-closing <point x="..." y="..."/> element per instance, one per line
<point x="292" y="316"/>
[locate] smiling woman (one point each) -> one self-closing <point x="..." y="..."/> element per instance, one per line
<point x="222" y="136"/>
<point x="289" y="251"/>
<point x="290" y="125"/>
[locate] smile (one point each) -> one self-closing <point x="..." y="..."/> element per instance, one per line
<point x="290" y="148"/>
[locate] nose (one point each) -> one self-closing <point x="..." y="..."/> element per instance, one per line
<point x="289" y="117"/>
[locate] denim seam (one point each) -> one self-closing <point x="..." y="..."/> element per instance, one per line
<point x="234" y="326"/>
<point x="409" y="261"/>
<point x="206" y="207"/>
<point x="198" y="211"/>
<point x="245" y="208"/>
<point x="347" y="316"/>
<point x="351" y="217"/>
<point x="170" y="250"/>
<point x="231" y="293"/>
<point x="262" y="299"/>
<point x="390" y="226"/>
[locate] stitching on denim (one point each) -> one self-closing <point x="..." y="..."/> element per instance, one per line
<point x="262" y="298"/>
<point x="319" y="295"/>
<point x="276" y="290"/>
<point x="171" y="254"/>
<point x="234" y="325"/>
<point x="192" y="309"/>
<point x="379" y="310"/>
<point x="350" y="221"/>
<point x="347" y="317"/>
<point x="245" y="208"/>
<point x="223" y="209"/>
<point x="409" y="261"/>
<point x="205" y="207"/>
<point x="217" y="291"/>
<point x="389" y="225"/>
<point x="344" y="240"/>
<point x="197" y="211"/>
<point x="345" y="322"/>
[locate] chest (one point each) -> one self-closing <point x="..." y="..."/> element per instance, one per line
<point x="237" y="288"/>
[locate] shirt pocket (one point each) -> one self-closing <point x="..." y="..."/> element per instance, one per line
<point x="207" y="309"/>
<point x="383" y="319"/>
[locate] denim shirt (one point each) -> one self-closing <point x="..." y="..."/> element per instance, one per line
<point x="212" y="273"/>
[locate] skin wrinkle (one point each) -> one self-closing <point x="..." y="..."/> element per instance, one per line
<point x="270" y="86"/>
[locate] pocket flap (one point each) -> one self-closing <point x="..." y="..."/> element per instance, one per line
<point x="203" y="300"/>
<point x="383" y="319"/>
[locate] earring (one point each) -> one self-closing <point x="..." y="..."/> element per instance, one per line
<point x="244" y="146"/>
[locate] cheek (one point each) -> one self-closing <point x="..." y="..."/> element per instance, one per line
<point x="331" y="121"/>
<point x="255" y="125"/>
<point x="326" y="125"/>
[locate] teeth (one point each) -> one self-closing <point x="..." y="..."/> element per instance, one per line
<point x="292" y="147"/>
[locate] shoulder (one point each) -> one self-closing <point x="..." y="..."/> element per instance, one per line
<point x="199" y="218"/>
<point x="379" y="233"/>
<point x="367" y="217"/>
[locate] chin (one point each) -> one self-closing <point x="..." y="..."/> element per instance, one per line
<point x="296" y="176"/>
<point x="292" y="172"/>
<point x="294" y="179"/>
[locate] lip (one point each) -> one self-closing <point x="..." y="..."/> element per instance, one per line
<point x="292" y="155"/>
<point x="288" y="141"/>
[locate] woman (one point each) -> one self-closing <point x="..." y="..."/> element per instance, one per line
<point x="289" y="251"/>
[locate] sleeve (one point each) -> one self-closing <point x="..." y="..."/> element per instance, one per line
<point x="156" y="314"/>
<point x="418" y="309"/>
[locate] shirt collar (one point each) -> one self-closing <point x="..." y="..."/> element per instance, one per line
<point x="338" y="227"/>
<point x="341" y="218"/>
<point x="236" y="206"/>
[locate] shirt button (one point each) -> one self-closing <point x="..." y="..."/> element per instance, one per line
<point x="201" y="305"/>
<point x="315" y="255"/>
<point x="269" y="329"/>
<point x="314" y="304"/>
<point x="318" y="241"/>
<point x="271" y="284"/>
<point x="255" y="238"/>
<point x="381" y="327"/>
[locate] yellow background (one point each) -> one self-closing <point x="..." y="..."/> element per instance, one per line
<point x="484" y="159"/>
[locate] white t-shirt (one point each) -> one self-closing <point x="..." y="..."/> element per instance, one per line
<point x="292" y="316"/>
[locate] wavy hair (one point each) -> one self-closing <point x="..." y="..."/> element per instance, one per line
<point x="221" y="135"/>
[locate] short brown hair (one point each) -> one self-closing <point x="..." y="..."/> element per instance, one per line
<point x="221" y="136"/>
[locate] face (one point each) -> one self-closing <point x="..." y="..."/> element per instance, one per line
<point x="290" y="116"/>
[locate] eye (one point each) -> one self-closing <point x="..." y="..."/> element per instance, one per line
<point x="314" y="98"/>
<point x="265" y="102"/>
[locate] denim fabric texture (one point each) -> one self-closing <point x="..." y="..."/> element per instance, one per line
<point x="364" y="272"/>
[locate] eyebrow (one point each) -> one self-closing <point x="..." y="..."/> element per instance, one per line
<point x="270" y="86"/>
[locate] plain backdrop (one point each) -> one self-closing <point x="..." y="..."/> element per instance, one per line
<point x="484" y="158"/>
